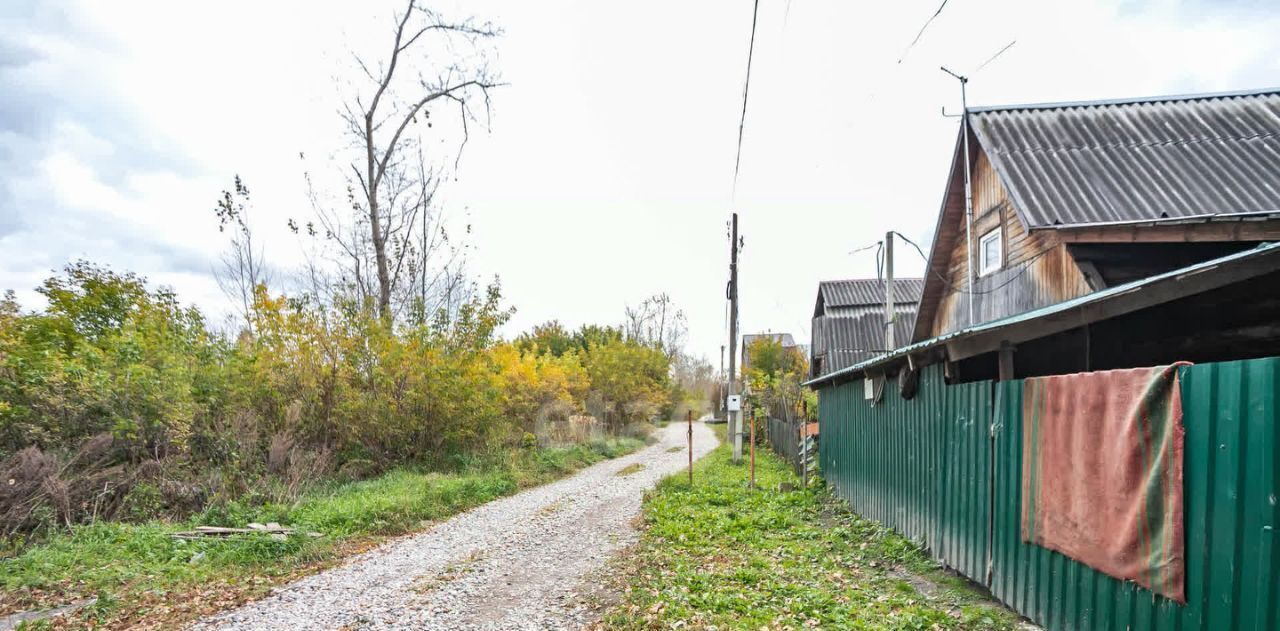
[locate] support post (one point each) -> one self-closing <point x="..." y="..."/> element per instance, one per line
<point x="803" y="452"/>
<point x="1005" y="359"/>
<point x="889" y="344"/>
<point x="752" y="420"/>
<point x="689" y="417"/>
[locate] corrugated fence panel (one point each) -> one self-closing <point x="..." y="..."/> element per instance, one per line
<point x="919" y="466"/>
<point x="1230" y="476"/>
<point x="965" y="520"/>
<point x="784" y="440"/>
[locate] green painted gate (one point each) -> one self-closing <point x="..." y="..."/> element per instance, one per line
<point x="938" y="470"/>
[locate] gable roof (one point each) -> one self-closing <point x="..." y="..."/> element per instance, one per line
<point x="1146" y="159"/>
<point x="865" y="292"/>
<point x="784" y="339"/>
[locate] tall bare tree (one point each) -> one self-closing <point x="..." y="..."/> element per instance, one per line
<point x="392" y="182"/>
<point x="243" y="264"/>
<point x="657" y="321"/>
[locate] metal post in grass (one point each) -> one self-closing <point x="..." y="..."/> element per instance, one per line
<point x="752" y="416"/>
<point x="689" y="417"/>
<point x="800" y="450"/>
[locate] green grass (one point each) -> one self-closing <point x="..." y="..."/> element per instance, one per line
<point x="138" y="571"/>
<point x="720" y="555"/>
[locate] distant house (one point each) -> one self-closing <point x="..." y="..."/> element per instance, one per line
<point x="848" y="321"/>
<point x="784" y="339"/>
<point x="1072" y="198"/>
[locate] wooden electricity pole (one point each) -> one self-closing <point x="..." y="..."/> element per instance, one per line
<point x="735" y="418"/>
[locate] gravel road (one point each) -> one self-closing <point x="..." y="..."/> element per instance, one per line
<point x="520" y="562"/>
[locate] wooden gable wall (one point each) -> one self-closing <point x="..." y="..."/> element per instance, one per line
<point x="1038" y="270"/>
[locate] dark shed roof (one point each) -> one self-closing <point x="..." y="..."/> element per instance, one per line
<point x="866" y="292"/>
<point x="1151" y="159"/>
<point x="844" y="340"/>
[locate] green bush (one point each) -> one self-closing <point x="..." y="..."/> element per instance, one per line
<point x="307" y="392"/>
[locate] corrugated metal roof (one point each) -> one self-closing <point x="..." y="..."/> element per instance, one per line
<point x="842" y="341"/>
<point x="1138" y="160"/>
<point x="1271" y="250"/>
<point x="784" y="339"/>
<point x="868" y="291"/>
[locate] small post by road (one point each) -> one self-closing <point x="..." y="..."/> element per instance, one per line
<point x="689" y="417"/>
<point x="752" y="419"/>
<point x="800" y="446"/>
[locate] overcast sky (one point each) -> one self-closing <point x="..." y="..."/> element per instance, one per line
<point x="606" y="174"/>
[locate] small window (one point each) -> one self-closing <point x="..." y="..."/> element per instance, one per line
<point x="990" y="252"/>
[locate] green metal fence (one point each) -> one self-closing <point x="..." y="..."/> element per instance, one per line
<point x="920" y="466"/>
<point x="936" y="470"/>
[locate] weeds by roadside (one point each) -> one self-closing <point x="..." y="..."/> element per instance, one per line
<point x="144" y="578"/>
<point x="721" y="556"/>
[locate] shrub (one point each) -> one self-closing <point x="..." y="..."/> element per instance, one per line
<point x="116" y="401"/>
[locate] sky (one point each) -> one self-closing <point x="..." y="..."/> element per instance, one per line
<point x="606" y="171"/>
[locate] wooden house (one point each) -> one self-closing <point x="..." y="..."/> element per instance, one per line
<point x="1072" y="198"/>
<point x="1104" y="235"/>
<point x="783" y="339"/>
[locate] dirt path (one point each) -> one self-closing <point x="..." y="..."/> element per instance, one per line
<point x="515" y="563"/>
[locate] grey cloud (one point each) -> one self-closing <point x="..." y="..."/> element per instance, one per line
<point x="39" y="91"/>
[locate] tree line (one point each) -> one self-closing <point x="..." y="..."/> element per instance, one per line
<point x="114" y="383"/>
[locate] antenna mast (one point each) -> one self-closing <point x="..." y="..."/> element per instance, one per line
<point x="970" y="277"/>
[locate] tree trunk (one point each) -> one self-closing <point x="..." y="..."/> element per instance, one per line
<point x="375" y="226"/>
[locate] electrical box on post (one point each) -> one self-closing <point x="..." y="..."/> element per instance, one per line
<point x="734" y="403"/>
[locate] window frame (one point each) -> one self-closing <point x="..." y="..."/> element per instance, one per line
<point x="997" y="235"/>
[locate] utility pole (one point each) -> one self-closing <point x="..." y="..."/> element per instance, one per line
<point x="735" y="416"/>
<point x="888" y="292"/>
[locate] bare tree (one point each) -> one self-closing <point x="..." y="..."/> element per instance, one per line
<point x="658" y="322"/>
<point x="392" y="183"/>
<point x="243" y="266"/>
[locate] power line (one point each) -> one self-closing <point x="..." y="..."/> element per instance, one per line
<point x="864" y="248"/>
<point x="746" y="88"/>
<point x="922" y="29"/>
<point x="992" y="58"/>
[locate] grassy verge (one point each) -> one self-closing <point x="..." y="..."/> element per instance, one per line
<point x="143" y="577"/>
<point x="720" y="556"/>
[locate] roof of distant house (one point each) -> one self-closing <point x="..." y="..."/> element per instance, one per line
<point x="860" y="292"/>
<point x="1155" y="159"/>
<point x="783" y="338"/>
